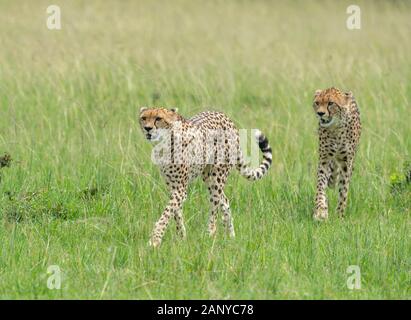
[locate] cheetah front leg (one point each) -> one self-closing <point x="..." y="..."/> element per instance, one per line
<point x="344" y="183"/>
<point x="173" y="209"/>
<point x="333" y="174"/>
<point x="321" y="206"/>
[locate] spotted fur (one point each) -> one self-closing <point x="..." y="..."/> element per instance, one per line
<point x="339" y="135"/>
<point x="193" y="137"/>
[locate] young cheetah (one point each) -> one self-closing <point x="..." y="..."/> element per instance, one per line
<point x="207" y="145"/>
<point x="339" y="133"/>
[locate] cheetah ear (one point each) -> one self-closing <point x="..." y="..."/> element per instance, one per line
<point x="175" y="110"/>
<point x="317" y="92"/>
<point x="143" y="109"/>
<point x="349" y="94"/>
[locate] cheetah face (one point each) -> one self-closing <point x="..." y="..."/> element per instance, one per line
<point x="327" y="113"/>
<point x="328" y="106"/>
<point x="154" y="122"/>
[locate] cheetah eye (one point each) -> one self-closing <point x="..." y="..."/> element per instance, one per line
<point x="143" y="118"/>
<point x="158" y="119"/>
<point x="330" y="103"/>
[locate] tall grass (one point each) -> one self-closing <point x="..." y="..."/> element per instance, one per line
<point x="81" y="192"/>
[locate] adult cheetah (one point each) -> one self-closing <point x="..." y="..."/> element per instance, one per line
<point x="339" y="135"/>
<point x="206" y="145"/>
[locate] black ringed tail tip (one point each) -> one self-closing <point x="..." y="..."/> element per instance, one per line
<point x="258" y="173"/>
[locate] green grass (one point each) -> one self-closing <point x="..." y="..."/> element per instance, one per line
<point x="81" y="192"/>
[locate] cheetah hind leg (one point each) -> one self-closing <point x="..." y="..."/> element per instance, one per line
<point x="227" y="218"/>
<point x="333" y="174"/>
<point x="181" y="230"/>
<point x="215" y="177"/>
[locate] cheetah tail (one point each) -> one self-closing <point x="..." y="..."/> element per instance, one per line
<point x="256" y="174"/>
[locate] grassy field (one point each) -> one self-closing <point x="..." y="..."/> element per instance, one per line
<point x="81" y="192"/>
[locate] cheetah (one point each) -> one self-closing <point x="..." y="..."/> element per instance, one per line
<point x="339" y="134"/>
<point x="205" y="145"/>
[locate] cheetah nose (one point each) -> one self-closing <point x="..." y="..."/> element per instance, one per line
<point x="321" y="113"/>
<point x="147" y="129"/>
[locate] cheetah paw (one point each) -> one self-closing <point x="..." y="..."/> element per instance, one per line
<point x="321" y="214"/>
<point x="230" y="232"/>
<point x="155" y="243"/>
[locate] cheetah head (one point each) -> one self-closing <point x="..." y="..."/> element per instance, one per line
<point x="330" y="106"/>
<point x="155" y="121"/>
